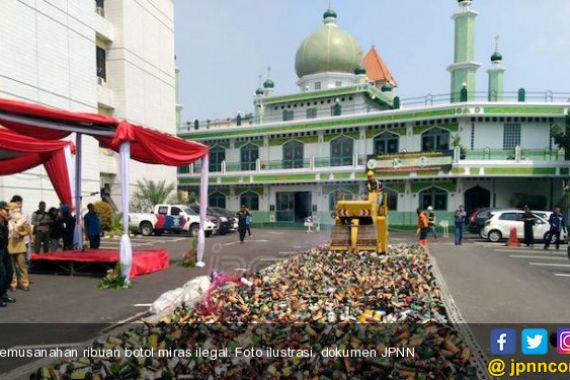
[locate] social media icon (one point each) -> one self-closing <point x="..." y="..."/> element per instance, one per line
<point x="534" y="341"/>
<point x="563" y="341"/>
<point x="503" y="341"/>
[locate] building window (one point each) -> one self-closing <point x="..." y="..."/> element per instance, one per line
<point x="249" y="155"/>
<point x="217" y="200"/>
<point x="386" y="143"/>
<point x="342" y="150"/>
<point x="317" y="85"/>
<point x="250" y="200"/>
<point x="336" y="110"/>
<point x="101" y="63"/>
<point x="288" y="115"/>
<point x="184" y="169"/>
<point x="392" y="199"/>
<point x="338" y="83"/>
<point x="217" y="155"/>
<point x="338" y="196"/>
<point x="436" y="139"/>
<point x="100" y="7"/>
<point x="311" y="113"/>
<point x="435" y="198"/>
<point x="512" y="136"/>
<point x="293" y="155"/>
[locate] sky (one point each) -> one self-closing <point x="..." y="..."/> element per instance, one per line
<point x="222" y="46"/>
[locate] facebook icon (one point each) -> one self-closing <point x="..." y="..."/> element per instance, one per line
<point x="503" y="342"/>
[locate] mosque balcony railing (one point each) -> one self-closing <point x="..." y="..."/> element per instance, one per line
<point x="512" y="154"/>
<point x="520" y="96"/>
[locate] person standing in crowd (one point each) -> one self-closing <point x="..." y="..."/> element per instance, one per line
<point x="423" y="227"/>
<point x="242" y="222"/>
<point x="557" y="224"/>
<point x="431" y="221"/>
<point x="5" y="264"/>
<point x="68" y="228"/>
<point x="460" y="216"/>
<point x="528" y="220"/>
<point x="248" y="221"/>
<point x="19" y="228"/>
<point x="93" y="227"/>
<point x="17" y="199"/>
<point x="41" y="222"/>
<point x="56" y="229"/>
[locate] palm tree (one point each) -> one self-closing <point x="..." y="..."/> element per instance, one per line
<point x="150" y="193"/>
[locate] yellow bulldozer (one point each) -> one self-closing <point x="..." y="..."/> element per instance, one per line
<point x="361" y="225"/>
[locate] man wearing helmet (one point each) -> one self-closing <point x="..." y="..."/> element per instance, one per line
<point x="375" y="186"/>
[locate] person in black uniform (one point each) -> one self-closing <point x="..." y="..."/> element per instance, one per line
<point x="5" y="263"/>
<point x="528" y="220"/>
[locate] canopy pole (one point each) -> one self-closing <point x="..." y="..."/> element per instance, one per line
<point x="203" y="207"/>
<point x="78" y="234"/>
<point x="126" y="256"/>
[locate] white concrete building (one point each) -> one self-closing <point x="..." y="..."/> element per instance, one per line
<point x="113" y="57"/>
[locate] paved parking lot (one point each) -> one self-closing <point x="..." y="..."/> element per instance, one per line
<point x="493" y="283"/>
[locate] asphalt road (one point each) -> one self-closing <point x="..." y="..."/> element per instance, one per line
<point x="492" y="283"/>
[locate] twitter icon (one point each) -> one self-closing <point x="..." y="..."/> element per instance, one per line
<point x="534" y="341"/>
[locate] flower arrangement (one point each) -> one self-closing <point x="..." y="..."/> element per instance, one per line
<point x="191" y="257"/>
<point x="115" y="279"/>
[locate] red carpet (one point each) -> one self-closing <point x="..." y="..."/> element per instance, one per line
<point x="144" y="262"/>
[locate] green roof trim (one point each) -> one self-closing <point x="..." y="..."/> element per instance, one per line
<point x="457" y="170"/>
<point x="188" y="181"/>
<point x="308" y="139"/>
<point x="428" y="173"/>
<point x="520" y="171"/>
<point x="398" y="187"/>
<point x="219" y="189"/>
<point x="230" y="179"/>
<point x="285" y="178"/>
<point x="364" y="119"/>
<point x="449" y="186"/>
<point x="342" y="175"/>
<point x="525" y="110"/>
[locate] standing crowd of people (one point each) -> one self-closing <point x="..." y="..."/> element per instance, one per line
<point x="45" y="231"/>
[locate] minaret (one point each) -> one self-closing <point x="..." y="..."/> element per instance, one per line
<point x="496" y="75"/>
<point x="464" y="68"/>
<point x="258" y="103"/>
<point x="268" y="85"/>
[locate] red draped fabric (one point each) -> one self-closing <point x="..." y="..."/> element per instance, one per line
<point x="43" y="113"/>
<point x="147" y="145"/>
<point x="154" y="147"/>
<point x="27" y="152"/>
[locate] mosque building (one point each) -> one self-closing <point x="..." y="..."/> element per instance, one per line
<point x="296" y="154"/>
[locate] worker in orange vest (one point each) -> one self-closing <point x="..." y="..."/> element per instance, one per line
<point x="423" y="227"/>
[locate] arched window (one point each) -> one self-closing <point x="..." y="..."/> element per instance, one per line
<point x="217" y="155"/>
<point x="217" y="200"/>
<point x="336" y="110"/>
<point x="250" y="200"/>
<point x="433" y="197"/>
<point x="336" y="196"/>
<point x="293" y="155"/>
<point x="436" y="139"/>
<point x="342" y="150"/>
<point x="386" y="143"/>
<point x="249" y="154"/>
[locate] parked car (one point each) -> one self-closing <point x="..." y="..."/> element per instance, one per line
<point x="498" y="226"/>
<point x="169" y="218"/>
<point x="230" y="215"/>
<point x="223" y="224"/>
<point x="477" y="219"/>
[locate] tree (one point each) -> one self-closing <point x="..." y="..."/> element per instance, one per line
<point x="562" y="137"/>
<point x="150" y="193"/>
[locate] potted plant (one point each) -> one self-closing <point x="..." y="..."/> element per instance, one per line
<point x="115" y="279"/>
<point x="191" y="257"/>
